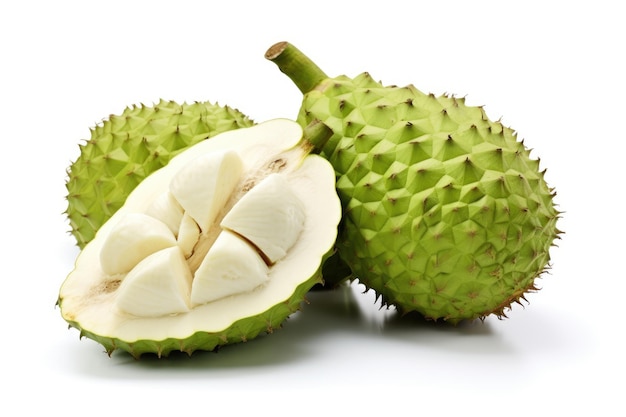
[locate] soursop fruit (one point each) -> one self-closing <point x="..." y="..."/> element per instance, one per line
<point x="217" y="247"/>
<point x="445" y="212"/>
<point x="126" y="148"/>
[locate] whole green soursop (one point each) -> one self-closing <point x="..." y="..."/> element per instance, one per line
<point x="124" y="149"/>
<point x="445" y="212"/>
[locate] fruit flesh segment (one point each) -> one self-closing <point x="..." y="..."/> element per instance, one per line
<point x="136" y="236"/>
<point x="158" y="285"/>
<point x="203" y="187"/>
<point x="272" y="235"/>
<point x="231" y="266"/>
<point x="188" y="234"/>
<point x="251" y="234"/>
<point x="166" y="208"/>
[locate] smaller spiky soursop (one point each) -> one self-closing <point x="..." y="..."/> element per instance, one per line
<point x="445" y="211"/>
<point x="124" y="149"/>
<point x="217" y="247"/>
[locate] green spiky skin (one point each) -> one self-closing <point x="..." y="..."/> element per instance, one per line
<point x="124" y="149"/>
<point x="445" y="212"/>
<point x="243" y="330"/>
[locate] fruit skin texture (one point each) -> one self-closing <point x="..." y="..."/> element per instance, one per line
<point x="124" y="149"/>
<point x="445" y="212"/>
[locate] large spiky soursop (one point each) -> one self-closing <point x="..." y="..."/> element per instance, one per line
<point x="217" y="247"/>
<point x="445" y="211"/>
<point x="126" y="148"/>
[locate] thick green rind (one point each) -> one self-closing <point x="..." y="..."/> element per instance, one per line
<point x="242" y="330"/>
<point x="126" y="148"/>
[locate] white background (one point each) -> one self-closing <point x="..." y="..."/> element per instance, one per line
<point x="552" y="70"/>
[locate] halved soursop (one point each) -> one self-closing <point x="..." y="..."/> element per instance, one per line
<point x="445" y="212"/>
<point x="217" y="247"/>
<point x="126" y="148"/>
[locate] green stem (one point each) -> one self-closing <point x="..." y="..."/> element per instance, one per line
<point x="315" y="136"/>
<point x="297" y="66"/>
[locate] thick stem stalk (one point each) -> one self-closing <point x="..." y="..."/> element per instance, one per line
<point x="315" y="136"/>
<point x="297" y="66"/>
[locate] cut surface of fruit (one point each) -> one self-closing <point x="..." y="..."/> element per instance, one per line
<point x="257" y="215"/>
